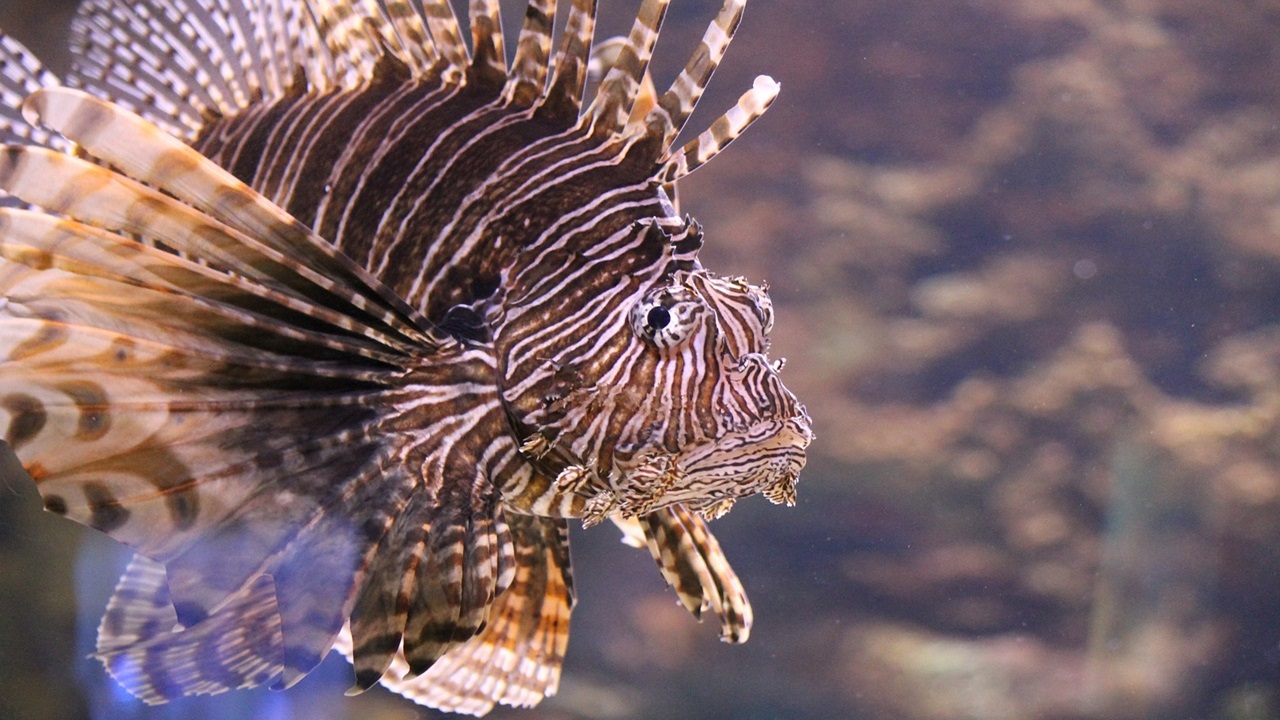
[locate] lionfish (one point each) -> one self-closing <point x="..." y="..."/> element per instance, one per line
<point x="338" y="320"/>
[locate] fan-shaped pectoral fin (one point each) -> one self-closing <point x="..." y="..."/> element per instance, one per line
<point x="433" y="580"/>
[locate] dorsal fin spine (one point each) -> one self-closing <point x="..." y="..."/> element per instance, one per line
<point x="19" y="77"/>
<point x="489" y="57"/>
<point x="533" y="54"/>
<point x="677" y="103"/>
<point x="612" y="105"/>
<point x="568" y="83"/>
<point x="723" y="131"/>
<point x="249" y="58"/>
<point x="356" y="33"/>
<point x="408" y="25"/>
<point x="445" y="32"/>
<point x="273" y="78"/>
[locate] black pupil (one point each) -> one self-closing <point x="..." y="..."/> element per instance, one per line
<point x="658" y="318"/>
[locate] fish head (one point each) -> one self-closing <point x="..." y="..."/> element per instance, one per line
<point x="668" y="397"/>
<point x="716" y="422"/>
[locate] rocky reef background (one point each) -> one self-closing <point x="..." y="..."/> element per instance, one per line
<point x="1025" y="256"/>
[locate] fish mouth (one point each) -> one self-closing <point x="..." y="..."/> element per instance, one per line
<point x="764" y="458"/>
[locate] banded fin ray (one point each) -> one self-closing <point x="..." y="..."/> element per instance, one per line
<point x="694" y="565"/>
<point x="242" y="644"/>
<point x="724" y="130"/>
<point x="20" y="75"/>
<point x="189" y="368"/>
<point x="611" y="108"/>
<point x="533" y="54"/>
<point x="356" y="34"/>
<point x="489" y="54"/>
<point x="129" y="142"/>
<point x="678" y="102"/>
<point x="516" y="659"/>
<point x="111" y="201"/>
<point x="414" y="38"/>
<point x="212" y="71"/>
<point x="564" y="95"/>
<point x="236" y="648"/>
<point x="196" y="73"/>
<point x="91" y="256"/>
<point x="146" y="312"/>
<point x="443" y="25"/>
<point x="224" y="414"/>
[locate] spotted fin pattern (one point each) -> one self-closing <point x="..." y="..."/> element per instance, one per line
<point x="137" y="385"/>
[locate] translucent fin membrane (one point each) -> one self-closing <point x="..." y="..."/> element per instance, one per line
<point x="677" y="103"/>
<point x="20" y="75"/>
<point x="490" y="57"/>
<point x="185" y="360"/>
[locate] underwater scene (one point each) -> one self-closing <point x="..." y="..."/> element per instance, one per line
<point x="1024" y="262"/>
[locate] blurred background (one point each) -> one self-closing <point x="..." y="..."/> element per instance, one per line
<point x="1025" y="256"/>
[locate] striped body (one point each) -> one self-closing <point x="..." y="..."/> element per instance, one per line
<point x="436" y="190"/>
<point x="341" y="322"/>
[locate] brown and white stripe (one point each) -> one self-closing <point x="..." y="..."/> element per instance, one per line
<point x="338" y="322"/>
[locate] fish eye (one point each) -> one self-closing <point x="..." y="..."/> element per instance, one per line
<point x="659" y="317"/>
<point x="668" y="316"/>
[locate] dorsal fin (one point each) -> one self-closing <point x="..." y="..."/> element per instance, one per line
<point x="20" y="75"/>
<point x="408" y="24"/>
<point x="723" y="131"/>
<point x="357" y="36"/>
<point x="533" y="53"/>
<point x="612" y="105"/>
<point x="127" y="141"/>
<point x="274" y="46"/>
<point x="447" y="35"/>
<point x="489" y="58"/>
<point x="179" y="62"/>
<point x="677" y="103"/>
<point x="564" y="96"/>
